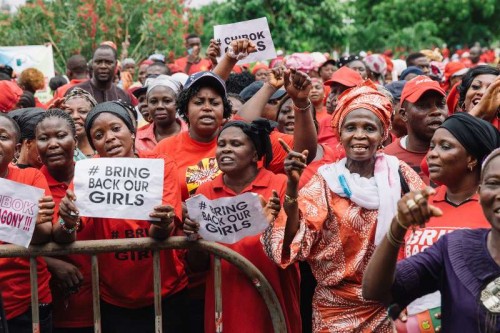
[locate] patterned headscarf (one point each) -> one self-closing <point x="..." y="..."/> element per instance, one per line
<point x="80" y="93"/>
<point x="364" y="96"/>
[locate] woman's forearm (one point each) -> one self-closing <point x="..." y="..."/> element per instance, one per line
<point x="291" y="207"/>
<point x="380" y="273"/>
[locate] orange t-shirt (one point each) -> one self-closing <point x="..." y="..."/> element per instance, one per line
<point x="196" y="160"/>
<point x="201" y="66"/>
<point x="243" y="307"/>
<point x="126" y="278"/>
<point x="15" y="272"/>
<point x="74" y="310"/>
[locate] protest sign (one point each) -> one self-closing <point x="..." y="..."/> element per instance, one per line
<point x="227" y="220"/>
<point x="256" y="31"/>
<point x="127" y="188"/>
<point x="40" y="57"/>
<point x="18" y="211"/>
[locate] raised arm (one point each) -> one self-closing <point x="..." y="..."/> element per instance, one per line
<point x="305" y="137"/>
<point x="238" y="49"/>
<point x="379" y="276"/>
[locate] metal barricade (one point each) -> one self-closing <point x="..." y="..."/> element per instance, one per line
<point x="94" y="247"/>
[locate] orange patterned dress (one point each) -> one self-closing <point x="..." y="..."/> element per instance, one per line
<point x="336" y="237"/>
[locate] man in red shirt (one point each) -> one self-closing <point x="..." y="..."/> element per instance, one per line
<point x="193" y="63"/>
<point x="77" y="72"/>
<point x="423" y="109"/>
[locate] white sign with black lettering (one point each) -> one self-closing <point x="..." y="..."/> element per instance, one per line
<point x="18" y="211"/>
<point x="127" y="188"/>
<point x="256" y="31"/>
<point x="227" y="220"/>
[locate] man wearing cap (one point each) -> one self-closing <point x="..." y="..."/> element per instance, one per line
<point x="193" y="62"/>
<point x="101" y="85"/>
<point x="423" y="109"/>
<point x="341" y="80"/>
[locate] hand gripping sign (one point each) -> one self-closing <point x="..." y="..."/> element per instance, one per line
<point x="18" y="211"/>
<point x="127" y="188"/>
<point x="227" y="220"/>
<point x="256" y="31"/>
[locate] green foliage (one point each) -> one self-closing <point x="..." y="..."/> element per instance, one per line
<point x="78" y="26"/>
<point x="296" y="25"/>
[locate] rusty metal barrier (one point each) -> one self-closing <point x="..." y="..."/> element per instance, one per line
<point x="93" y="247"/>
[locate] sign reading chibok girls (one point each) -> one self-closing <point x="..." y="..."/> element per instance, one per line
<point x="18" y="211"/>
<point x="227" y="220"/>
<point x="257" y="31"/>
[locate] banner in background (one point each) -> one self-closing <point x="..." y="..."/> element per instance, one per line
<point x="40" y="57"/>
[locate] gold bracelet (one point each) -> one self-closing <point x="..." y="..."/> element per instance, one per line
<point x="394" y="242"/>
<point x="401" y="224"/>
<point x="289" y="199"/>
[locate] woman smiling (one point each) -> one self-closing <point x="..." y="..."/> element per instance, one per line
<point x="335" y="221"/>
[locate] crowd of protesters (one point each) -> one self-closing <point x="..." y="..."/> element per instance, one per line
<point x="380" y="179"/>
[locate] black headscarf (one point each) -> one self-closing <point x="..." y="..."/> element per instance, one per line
<point x="347" y="59"/>
<point x="27" y="119"/>
<point x="258" y="131"/>
<point x="478" y="136"/>
<point x="116" y="108"/>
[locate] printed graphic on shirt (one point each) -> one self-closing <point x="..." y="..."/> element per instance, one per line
<point x="421" y="239"/>
<point x="132" y="255"/>
<point x="206" y="170"/>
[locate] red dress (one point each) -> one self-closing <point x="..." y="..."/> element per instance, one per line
<point x="243" y="308"/>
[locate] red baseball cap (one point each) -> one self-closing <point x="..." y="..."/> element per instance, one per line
<point x="10" y="95"/>
<point x="416" y="87"/>
<point x="346" y="77"/>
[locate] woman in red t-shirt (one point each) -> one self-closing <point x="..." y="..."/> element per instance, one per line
<point x="71" y="283"/>
<point x="126" y="278"/>
<point x="457" y="150"/>
<point x="15" y="272"/>
<point x="240" y="147"/>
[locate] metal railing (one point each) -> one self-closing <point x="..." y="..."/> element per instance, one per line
<point x="94" y="247"/>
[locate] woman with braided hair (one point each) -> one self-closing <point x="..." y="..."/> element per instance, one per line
<point x="241" y="146"/>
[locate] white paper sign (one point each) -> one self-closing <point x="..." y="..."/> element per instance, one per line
<point x="255" y="30"/>
<point x="127" y="188"/>
<point x="18" y="211"/>
<point x="227" y="220"/>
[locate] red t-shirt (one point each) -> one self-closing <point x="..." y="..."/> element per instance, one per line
<point x="326" y="134"/>
<point x="413" y="159"/>
<point x="196" y="161"/>
<point x="15" y="272"/>
<point x="201" y="66"/>
<point x="126" y="278"/>
<point x="74" y="310"/>
<point x="468" y="215"/>
<point x="243" y="307"/>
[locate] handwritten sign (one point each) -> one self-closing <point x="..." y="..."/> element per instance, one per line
<point x="256" y="31"/>
<point x="18" y="211"/>
<point x="126" y="188"/>
<point x="227" y="220"/>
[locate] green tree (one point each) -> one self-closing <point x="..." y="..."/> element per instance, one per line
<point x="425" y="23"/>
<point x="78" y="26"/>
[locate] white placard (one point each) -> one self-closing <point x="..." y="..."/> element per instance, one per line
<point x="255" y="30"/>
<point x="127" y="188"/>
<point x="18" y="211"/>
<point x="227" y="220"/>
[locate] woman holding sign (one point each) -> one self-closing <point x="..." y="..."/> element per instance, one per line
<point x="15" y="272"/>
<point x="335" y="221"/>
<point x="240" y="147"/>
<point x="56" y="140"/>
<point x="127" y="277"/>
